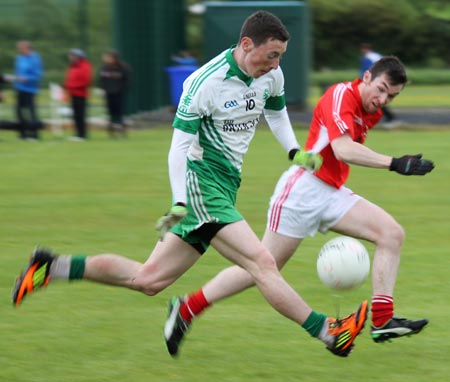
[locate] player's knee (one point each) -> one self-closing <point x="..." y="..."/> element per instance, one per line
<point x="269" y="261"/>
<point x="398" y="234"/>
<point x="148" y="285"/>
<point x="264" y="263"/>
<point x="394" y="234"/>
<point x="149" y="289"/>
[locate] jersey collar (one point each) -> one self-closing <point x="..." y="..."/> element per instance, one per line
<point x="355" y="88"/>
<point x="235" y="70"/>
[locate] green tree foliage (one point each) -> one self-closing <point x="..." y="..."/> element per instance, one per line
<point x="417" y="31"/>
<point x="52" y="31"/>
<point x="407" y="28"/>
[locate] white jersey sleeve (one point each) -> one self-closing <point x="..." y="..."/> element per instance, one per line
<point x="276" y="114"/>
<point x="181" y="142"/>
<point x="281" y="127"/>
<point x="276" y="99"/>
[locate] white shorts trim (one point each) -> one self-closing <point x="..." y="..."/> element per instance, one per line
<point x="302" y="204"/>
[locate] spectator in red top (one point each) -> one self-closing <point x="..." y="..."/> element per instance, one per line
<point x="77" y="82"/>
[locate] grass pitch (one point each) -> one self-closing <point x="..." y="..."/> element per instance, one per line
<point x="105" y="195"/>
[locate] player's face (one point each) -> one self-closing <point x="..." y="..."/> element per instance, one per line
<point x="378" y="92"/>
<point x="261" y="59"/>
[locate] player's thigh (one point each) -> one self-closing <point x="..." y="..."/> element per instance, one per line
<point x="366" y="220"/>
<point x="238" y="243"/>
<point x="281" y="247"/>
<point x="169" y="260"/>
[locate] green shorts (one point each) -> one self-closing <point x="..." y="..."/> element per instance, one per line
<point x="209" y="203"/>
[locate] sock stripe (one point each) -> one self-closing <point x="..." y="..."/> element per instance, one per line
<point x="382" y="299"/>
<point x="190" y="310"/>
<point x="382" y="309"/>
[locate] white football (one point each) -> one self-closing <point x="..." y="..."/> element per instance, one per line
<point x="343" y="263"/>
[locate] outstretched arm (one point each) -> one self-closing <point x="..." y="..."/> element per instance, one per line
<point x="348" y="151"/>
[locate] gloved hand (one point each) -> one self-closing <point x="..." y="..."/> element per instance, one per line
<point x="172" y="217"/>
<point x="411" y="165"/>
<point x="306" y="159"/>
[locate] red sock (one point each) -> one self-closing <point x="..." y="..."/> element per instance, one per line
<point x="382" y="309"/>
<point x="193" y="305"/>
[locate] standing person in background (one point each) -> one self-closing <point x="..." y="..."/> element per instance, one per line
<point x="114" y="79"/>
<point x="77" y="82"/>
<point x="367" y="59"/>
<point x="28" y="72"/>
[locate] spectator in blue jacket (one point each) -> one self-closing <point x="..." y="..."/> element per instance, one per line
<point x="28" y="73"/>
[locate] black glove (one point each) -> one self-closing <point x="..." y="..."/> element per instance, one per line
<point x="411" y="165"/>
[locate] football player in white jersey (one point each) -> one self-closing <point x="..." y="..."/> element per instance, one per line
<point x="215" y="121"/>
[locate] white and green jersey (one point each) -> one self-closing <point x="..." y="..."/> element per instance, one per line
<point x="222" y="106"/>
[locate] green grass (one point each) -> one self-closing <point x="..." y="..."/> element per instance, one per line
<point x="105" y="195"/>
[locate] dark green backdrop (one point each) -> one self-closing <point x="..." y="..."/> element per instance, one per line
<point x="148" y="33"/>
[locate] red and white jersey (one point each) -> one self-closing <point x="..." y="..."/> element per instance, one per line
<point x="338" y="112"/>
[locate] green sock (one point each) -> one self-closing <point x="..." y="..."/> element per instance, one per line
<point x="77" y="264"/>
<point x="314" y="323"/>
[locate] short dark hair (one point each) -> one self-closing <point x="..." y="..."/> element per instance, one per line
<point x="392" y="67"/>
<point x="262" y="26"/>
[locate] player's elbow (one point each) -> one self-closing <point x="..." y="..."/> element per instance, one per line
<point x="339" y="155"/>
<point x="352" y="153"/>
<point x="343" y="148"/>
<point x="342" y="154"/>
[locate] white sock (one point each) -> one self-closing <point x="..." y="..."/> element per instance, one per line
<point x="324" y="336"/>
<point x="60" y="267"/>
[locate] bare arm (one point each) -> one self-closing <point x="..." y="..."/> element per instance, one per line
<point x="348" y="151"/>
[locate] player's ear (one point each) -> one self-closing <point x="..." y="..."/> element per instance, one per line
<point x="367" y="77"/>
<point x="247" y="44"/>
